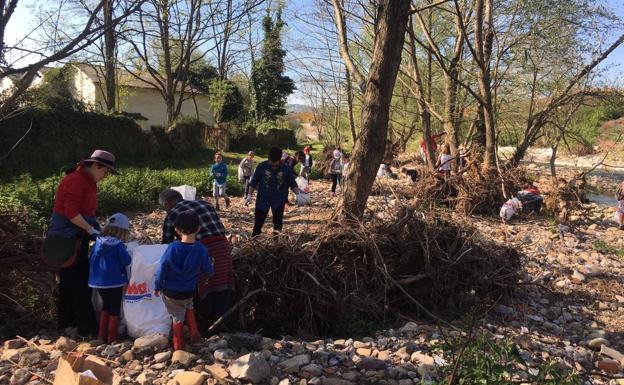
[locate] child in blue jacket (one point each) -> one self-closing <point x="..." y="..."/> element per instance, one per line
<point x="177" y="275"/>
<point x="107" y="272"/>
<point x="219" y="172"/>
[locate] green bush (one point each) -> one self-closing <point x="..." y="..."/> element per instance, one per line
<point x="134" y="189"/>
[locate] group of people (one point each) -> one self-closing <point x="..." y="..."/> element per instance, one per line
<point x="195" y="271"/>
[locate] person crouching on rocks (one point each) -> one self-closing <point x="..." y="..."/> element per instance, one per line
<point x="177" y="276"/>
<point x="108" y="262"/>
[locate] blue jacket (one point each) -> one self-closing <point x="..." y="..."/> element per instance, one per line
<point x="272" y="185"/>
<point x="108" y="262"/>
<point x="219" y="172"/>
<point x="181" y="265"/>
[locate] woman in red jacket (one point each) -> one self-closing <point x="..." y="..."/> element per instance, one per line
<point x="73" y="216"/>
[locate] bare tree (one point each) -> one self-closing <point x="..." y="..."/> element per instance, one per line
<point x="51" y="51"/>
<point x="371" y="144"/>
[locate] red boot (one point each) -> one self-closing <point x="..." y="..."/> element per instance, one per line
<point x="191" y="321"/>
<point x="113" y="324"/>
<point x="102" y="332"/>
<point x="178" y="336"/>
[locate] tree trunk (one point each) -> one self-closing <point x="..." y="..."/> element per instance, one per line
<point x="370" y="147"/>
<point x="350" y="105"/>
<point x="109" y="57"/>
<point x="483" y="46"/>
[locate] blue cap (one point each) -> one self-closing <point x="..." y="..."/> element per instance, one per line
<point x="119" y="220"/>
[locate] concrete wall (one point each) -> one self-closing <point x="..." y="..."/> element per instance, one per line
<point x="85" y="89"/>
<point x="149" y="103"/>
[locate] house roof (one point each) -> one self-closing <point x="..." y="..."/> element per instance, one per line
<point x="125" y="78"/>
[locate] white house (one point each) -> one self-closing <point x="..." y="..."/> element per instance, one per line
<point x="137" y="96"/>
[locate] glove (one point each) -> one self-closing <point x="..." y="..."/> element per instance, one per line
<point x="248" y="199"/>
<point x="94" y="232"/>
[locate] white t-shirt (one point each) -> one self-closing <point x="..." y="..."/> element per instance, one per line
<point x="445" y="162"/>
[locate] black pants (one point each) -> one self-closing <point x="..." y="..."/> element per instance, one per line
<point x="335" y="181"/>
<point x="211" y="308"/>
<point x="74" y="302"/>
<point x="246" y="180"/>
<point x="261" y="216"/>
<point x="111" y="298"/>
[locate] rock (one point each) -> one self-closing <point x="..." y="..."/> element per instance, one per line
<point x="366" y="352"/>
<point x="596" y="343"/>
<point x="611" y="353"/>
<point x="127" y="356"/>
<point x="292" y="365"/>
<point x="10" y="355"/>
<point x="31" y="357"/>
<point x="577" y="277"/>
<point x="239" y="341"/>
<point x="223" y="354"/>
<point x="161" y="357"/>
<point x="217" y="371"/>
<point x="410" y="327"/>
<point x="183" y="358"/>
<point x="190" y="378"/>
<point x="20" y="377"/>
<point x="609" y="366"/>
<point x="146" y="378"/>
<point x="85" y="347"/>
<point x="154" y="341"/>
<point x="335" y="381"/>
<point x="368" y="363"/>
<point x="65" y="344"/>
<point x="311" y="370"/>
<point x="251" y="367"/>
<point x="13" y="344"/>
<point x="426" y="364"/>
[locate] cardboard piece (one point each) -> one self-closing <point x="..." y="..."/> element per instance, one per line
<point x="78" y="369"/>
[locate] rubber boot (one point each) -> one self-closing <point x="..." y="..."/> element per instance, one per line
<point x="103" y="331"/>
<point x="191" y="321"/>
<point x="113" y="324"/>
<point x="178" y="336"/>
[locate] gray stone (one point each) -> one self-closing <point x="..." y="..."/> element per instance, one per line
<point x="597" y="343"/>
<point x="292" y="365"/>
<point x="311" y="370"/>
<point x="223" y="354"/>
<point x="162" y="357"/>
<point x="251" y="367"/>
<point x="183" y="358"/>
<point x="20" y="377"/>
<point x="65" y="344"/>
<point x="369" y="363"/>
<point x="154" y="342"/>
<point x="13" y="344"/>
<point x="31" y="356"/>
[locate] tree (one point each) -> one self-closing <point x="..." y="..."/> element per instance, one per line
<point x="53" y="49"/>
<point x="270" y="87"/>
<point x="392" y="17"/>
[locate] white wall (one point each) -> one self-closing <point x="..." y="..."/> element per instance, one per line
<point x="85" y="88"/>
<point x="149" y="103"/>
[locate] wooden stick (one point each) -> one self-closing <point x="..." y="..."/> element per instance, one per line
<point x="72" y="351"/>
<point x="227" y="313"/>
<point x="32" y="373"/>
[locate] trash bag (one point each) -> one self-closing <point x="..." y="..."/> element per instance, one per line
<point x="144" y="312"/>
<point x="302" y="183"/>
<point x="188" y="192"/>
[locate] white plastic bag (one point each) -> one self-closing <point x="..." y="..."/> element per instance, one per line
<point x="302" y="183"/>
<point x="188" y="192"/>
<point x="145" y="313"/>
<point x="303" y="199"/>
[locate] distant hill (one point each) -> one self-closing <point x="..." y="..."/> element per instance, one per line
<point x="295" y="108"/>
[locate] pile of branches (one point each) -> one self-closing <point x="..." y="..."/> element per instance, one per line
<point x="26" y="284"/>
<point x="406" y="267"/>
<point x="564" y="196"/>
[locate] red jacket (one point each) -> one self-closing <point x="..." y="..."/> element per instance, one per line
<point x="76" y="194"/>
<point x="432" y="140"/>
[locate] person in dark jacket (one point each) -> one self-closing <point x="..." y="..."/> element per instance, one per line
<point x="178" y="273"/>
<point x="306" y="163"/>
<point x="73" y="217"/>
<point x="108" y="262"/>
<point x="272" y="179"/>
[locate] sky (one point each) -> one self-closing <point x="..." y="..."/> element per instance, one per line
<point x="25" y="17"/>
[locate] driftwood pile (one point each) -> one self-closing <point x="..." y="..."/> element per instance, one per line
<point x="406" y="267"/>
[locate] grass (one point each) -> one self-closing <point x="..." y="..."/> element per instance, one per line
<point x="605" y="248"/>
<point x="136" y="188"/>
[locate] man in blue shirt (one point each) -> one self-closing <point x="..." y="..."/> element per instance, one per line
<point x="272" y="179"/>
